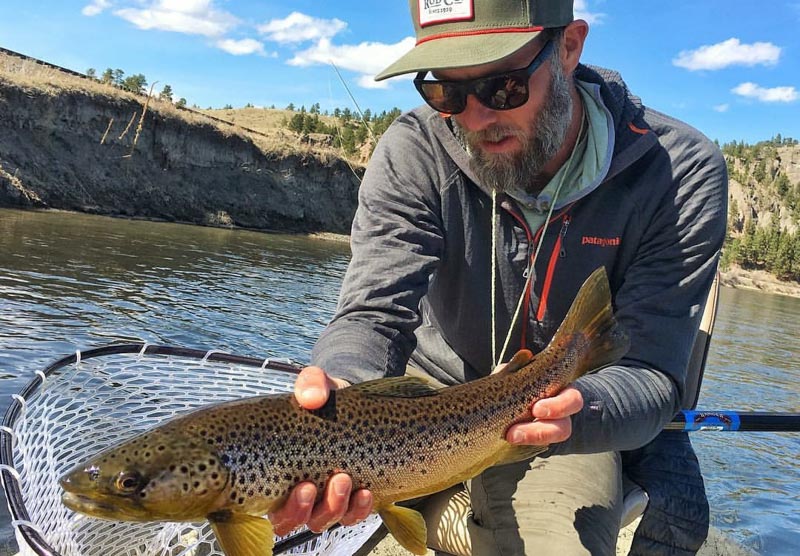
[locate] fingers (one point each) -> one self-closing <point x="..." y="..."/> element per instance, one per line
<point x="540" y="433"/>
<point x="360" y="507"/>
<point x="567" y="403"/>
<point x="296" y="511"/>
<point x="313" y="386"/>
<point x="338" y="505"/>
<point x="553" y="420"/>
<point x="334" y="503"/>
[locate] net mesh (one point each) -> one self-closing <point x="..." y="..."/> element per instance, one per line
<point x="88" y="406"/>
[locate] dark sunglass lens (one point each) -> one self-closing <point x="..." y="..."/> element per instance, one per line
<point x="503" y="92"/>
<point x="444" y="97"/>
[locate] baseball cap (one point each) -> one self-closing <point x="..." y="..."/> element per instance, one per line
<point x="458" y="33"/>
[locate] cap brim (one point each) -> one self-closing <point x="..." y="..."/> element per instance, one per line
<point x="458" y="52"/>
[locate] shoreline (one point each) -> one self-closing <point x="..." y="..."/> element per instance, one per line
<point x="758" y="280"/>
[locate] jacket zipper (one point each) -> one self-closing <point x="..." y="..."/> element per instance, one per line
<point x="559" y="252"/>
<point x="565" y="219"/>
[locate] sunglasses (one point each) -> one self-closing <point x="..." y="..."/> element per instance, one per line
<point x="502" y="91"/>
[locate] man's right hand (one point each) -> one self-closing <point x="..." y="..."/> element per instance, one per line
<point x="338" y="504"/>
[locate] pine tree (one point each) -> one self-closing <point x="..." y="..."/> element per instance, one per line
<point x="166" y="93"/>
<point x="135" y="83"/>
<point x="108" y="76"/>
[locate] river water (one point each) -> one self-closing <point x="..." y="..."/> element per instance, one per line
<point x="70" y="281"/>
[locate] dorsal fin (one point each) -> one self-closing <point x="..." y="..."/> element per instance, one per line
<point x="396" y="387"/>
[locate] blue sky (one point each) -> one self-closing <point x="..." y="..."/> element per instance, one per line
<point x="731" y="68"/>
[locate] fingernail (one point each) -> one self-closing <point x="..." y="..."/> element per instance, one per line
<point x="311" y="395"/>
<point x="305" y="496"/>
<point x="363" y="501"/>
<point x="340" y="488"/>
<point x="517" y="437"/>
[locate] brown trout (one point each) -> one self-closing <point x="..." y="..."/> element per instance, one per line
<point x="233" y="463"/>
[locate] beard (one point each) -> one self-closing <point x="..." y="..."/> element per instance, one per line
<point x="540" y="142"/>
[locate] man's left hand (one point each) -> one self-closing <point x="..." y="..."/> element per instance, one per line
<point x="552" y="420"/>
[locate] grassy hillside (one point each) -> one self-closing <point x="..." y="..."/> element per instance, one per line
<point x="268" y="128"/>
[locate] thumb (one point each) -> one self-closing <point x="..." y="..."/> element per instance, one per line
<point x="313" y="386"/>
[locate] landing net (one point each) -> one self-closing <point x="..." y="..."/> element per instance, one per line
<point x="89" y="401"/>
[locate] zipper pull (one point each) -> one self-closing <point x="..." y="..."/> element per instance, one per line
<point x="564" y="226"/>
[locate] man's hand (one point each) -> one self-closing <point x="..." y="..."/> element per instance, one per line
<point x="552" y="420"/>
<point x="339" y="504"/>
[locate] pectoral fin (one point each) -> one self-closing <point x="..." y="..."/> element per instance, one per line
<point x="242" y="534"/>
<point x="407" y="526"/>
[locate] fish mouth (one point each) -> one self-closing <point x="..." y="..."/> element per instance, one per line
<point x="96" y="508"/>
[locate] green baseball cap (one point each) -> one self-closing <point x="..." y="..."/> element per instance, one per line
<point x="459" y="33"/>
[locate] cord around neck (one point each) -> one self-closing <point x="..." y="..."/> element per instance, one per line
<point x="532" y="261"/>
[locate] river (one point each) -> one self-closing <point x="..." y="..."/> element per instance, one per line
<point x="71" y="281"/>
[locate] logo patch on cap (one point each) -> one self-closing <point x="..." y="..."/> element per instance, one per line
<point x="444" y="11"/>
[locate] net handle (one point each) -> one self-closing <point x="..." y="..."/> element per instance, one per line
<point x="19" y="513"/>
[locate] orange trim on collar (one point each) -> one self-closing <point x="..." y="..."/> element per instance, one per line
<point x="481" y="32"/>
<point x="638" y="130"/>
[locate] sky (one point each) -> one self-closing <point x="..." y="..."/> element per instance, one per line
<point x="730" y="68"/>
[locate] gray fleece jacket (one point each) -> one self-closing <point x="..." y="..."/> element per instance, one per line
<point x="418" y="285"/>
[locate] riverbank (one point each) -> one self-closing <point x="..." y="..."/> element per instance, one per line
<point x="758" y="280"/>
<point x="75" y="144"/>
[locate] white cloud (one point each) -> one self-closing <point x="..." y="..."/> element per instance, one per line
<point x="762" y="94"/>
<point x="196" y="17"/>
<point x="721" y="107"/>
<point x="297" y="27"/>
<point x="581" y="11"/>
<point x="728" y="53"/>
<point x="368" y="82"/>
<point x="366" y="58"/>
<point x="241" y="47"/>
<point x="95" y="7"/>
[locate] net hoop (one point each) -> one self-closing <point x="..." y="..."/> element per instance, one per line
<point x="19" y="476"/>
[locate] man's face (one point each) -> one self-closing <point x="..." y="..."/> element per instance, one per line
<point x="509" y="148"/>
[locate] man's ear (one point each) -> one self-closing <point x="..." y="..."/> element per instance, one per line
<point x="574" y="36"/>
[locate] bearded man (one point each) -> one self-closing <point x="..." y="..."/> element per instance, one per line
<point x="479" y="217"/>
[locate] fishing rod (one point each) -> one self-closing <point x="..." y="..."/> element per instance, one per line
<point x="733" y="421"/>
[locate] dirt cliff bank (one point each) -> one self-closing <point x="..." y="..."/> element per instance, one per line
<point x="72" y="149"/>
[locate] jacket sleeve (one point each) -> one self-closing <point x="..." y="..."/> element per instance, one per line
<point x="396" y="243"/>
<point x="659" y="301"/>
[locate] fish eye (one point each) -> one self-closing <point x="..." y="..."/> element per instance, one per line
<point x="128" y="481"/>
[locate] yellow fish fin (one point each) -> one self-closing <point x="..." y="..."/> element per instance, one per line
<point x="520" y="359"/>
<point x="241" y="534"/>
<point x="590" y="321"/>
<point x="513" y="453"/>
<point x="396" y="387"/>
<point x="407" y="526"/>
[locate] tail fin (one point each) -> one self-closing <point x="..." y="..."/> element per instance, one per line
<point x="590" y="328"/>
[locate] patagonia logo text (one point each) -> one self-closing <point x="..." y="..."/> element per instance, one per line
<point x="444" y="11"/>
<point x="601" y="241"/>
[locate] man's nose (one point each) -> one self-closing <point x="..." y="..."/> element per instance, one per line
<point x="476" y="116"/>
